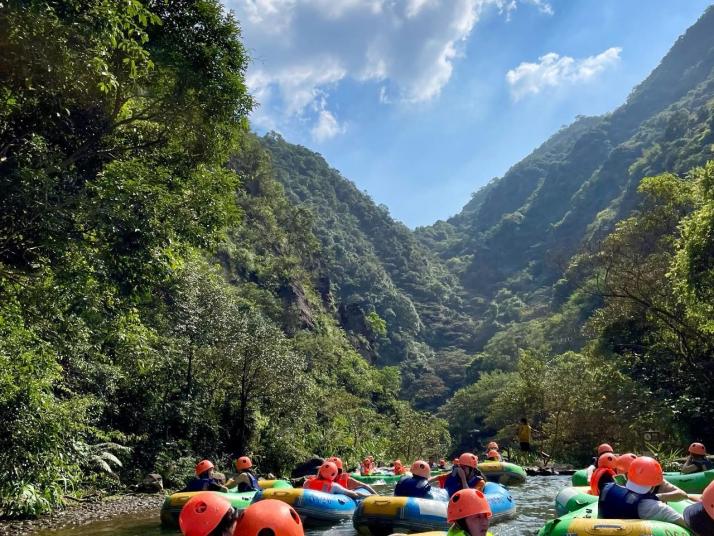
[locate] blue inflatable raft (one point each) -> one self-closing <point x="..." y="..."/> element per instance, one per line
<point x="313" y="506"/>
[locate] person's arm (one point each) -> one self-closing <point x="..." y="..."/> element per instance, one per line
<point x="689" y="467"/>
<point x="353" y="483"/>
<point x="462" y="476"/>
<point x="652" y="510"/>
<point x="669" y="493"/>
<point x="437" y="477"/>
<point x="336" y="488"/>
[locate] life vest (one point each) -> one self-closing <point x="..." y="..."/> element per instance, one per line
<point x="319" y="484"/>
<point x="441" y="479"/>
<point x="702" y="465"/>
<point x="412" y="486"/>
<point x="252" y="486"/>
<point x="366" y="468"/>
<point x="453" y="483"/>
<point x="343" y="479"/>
<point x="400" y="470"/>
<point x="618" y="502"/>
<point x="601" y="476"/>
<point x="203" y="484"/>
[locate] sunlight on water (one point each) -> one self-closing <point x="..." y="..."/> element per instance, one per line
<point x="534" y="499"/>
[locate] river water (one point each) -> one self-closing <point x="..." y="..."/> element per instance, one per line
<point x="534" y="501"/>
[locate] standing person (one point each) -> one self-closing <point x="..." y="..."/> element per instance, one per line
<point x="204" y="480"/>
<point x="207" y="514"/>
<point x="525" y="435"/>
<point x="245" y="480"/>
<point x="465" y="475"/>
<point x="470" y="512"/>
<point x="697" y="460"/>
<point x="700" y="515"/>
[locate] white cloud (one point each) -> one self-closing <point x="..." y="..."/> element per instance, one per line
<point x="553" y="70"/>
<point x="327" y="126"/>
<point x="302" y="49"/>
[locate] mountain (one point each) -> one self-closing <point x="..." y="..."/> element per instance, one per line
<point x="520" y="230"/>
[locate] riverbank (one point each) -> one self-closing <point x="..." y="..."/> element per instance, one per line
<point x="78" y="514"/>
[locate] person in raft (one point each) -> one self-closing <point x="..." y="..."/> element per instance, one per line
<point x="604" y="474"/>
<point x="470" y="512"/>
<point x="465" y="475"/>
<point x="344" y="479"/>
<point x="416" y="485"/>
<point x="325" y="482"/>
<point x="398" y="467"/>
<point x="493" y="456"/>
<point x="245" y="480"/>
<point x="604" y="448"/>
<point x="207" y="514"/>
<point x="700" y="515"/>
<point x="636" y="499"/>
<point x="442" y="465"/>
<point x="204" y="480"/>
<point x="697" y="460"/>
<point x="493" y="447"/>
<point x="367" y="466"/>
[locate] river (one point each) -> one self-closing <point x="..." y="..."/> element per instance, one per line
<point x="534" y="500"/>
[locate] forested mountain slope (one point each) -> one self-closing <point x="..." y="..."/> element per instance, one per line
<point x="520" y="230"/>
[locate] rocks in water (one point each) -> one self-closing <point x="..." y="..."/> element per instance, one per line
<point x="552" y="470"/>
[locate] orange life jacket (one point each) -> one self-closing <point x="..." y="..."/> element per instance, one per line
<point x="319" y="484"/>
<point x="343" y="479"/>
<point x="595" y="479"/>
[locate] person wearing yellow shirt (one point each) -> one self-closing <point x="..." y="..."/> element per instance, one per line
<point x="525" y="435"/>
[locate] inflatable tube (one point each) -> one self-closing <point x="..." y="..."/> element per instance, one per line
<point x="312" y="505"/>
<point x="505" y="473"/>
<point x="691" y="483"/>
<point x="173" y="504"/>
<point x="452" y="532"/>
<point x="378" y="478"/>
<point x="584" y="522"/>
<point x="379" y="516"/>
<point x="572" y="498"/>
<point x="274" y="484"/>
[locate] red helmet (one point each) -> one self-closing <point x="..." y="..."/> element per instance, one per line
<point x="468" y="459"/>
<point x="492" y="455"/>
<point x="244" y="462"/>
<point x="202" y="513"/>
<point x="492" y="446"/>
<point x="645" y="472"/>
<point x="624" y="461"/>
<point x="708" y="499"/>
<point x="421" y="468"/>
<point x="337" y="461"/>
<point x="328" y="471"/>
<point x="467" y="503"/>
<point x="602" y="449"/>
<point x="203" y="466"/>
<point x="270" y="515"/>
<point x="608" y="460"/>
<point x="697" y="448"/>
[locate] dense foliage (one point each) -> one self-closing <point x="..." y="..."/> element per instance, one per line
<point x="157" y="289"/>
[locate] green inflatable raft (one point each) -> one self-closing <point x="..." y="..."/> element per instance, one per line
<point x="505" y="473"/>
<point x="584" y="522"/>
<point x="691" y="483"/>
<point x="572" y="498"/>
<point x="173" y="504"/>
<point x="377" y="478"/>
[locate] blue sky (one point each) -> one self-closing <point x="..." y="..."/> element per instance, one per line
<point x="421" y="102"/>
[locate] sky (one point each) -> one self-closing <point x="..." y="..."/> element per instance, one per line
<point x="422" y="102"/>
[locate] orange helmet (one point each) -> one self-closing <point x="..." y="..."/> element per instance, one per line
<point x="492" y="455"/>
<point x="697" y="448"/>
<point x="468" y="459"/>
<point x="602" y="449"/>
<point x="421" y="468"/>
<point x="608" y="460"/>
<point x="270" y="515"/>
<point x="467" y="503"/>
<point x="203" y="466"/>
<point x="708" y="499"/>
<point x="328" y="471"/>
<point x="624" y="461"/>
<point x="645" y="472"/>
<point x="202" y="513"/>
<point x="492" y="446"/>
<point x="244" y="462"/>
<point x="337" y="461"/>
